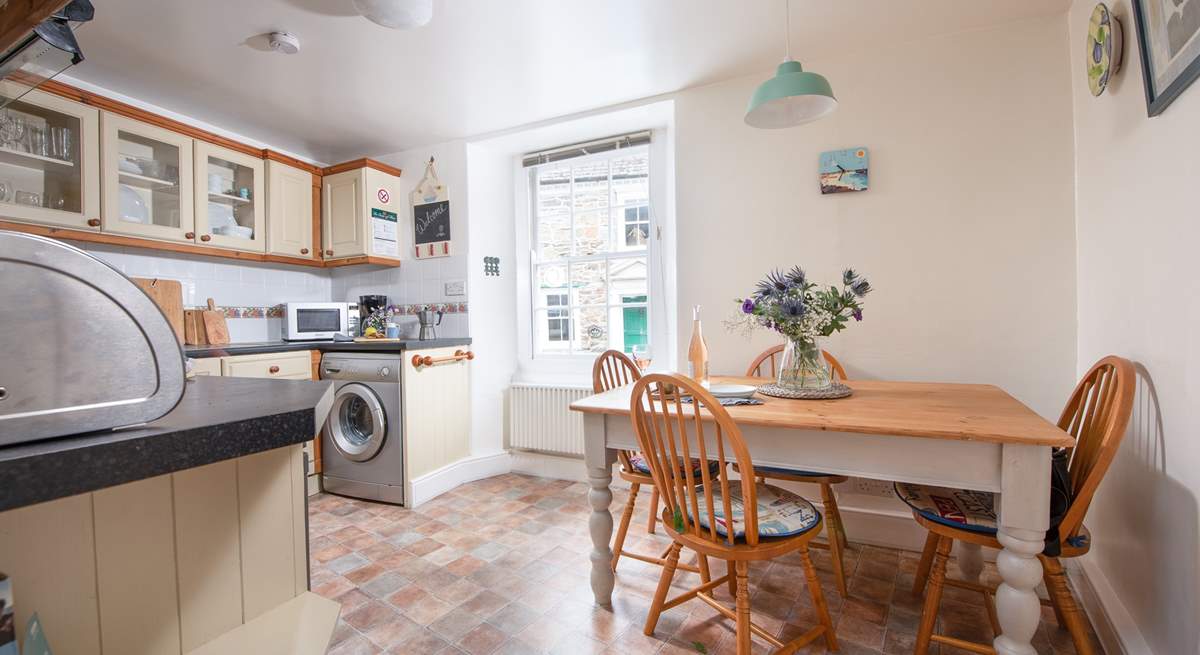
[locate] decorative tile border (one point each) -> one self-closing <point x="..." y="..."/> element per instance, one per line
<point x="276" y="311"/>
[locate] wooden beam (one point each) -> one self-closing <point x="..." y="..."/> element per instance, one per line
<point x="19" y="17"/>
<point x="361" y="163"/>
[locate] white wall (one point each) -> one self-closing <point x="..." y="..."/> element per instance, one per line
<point x="493" y="321"/>
<point x="420" y="281"/>
<point x="1139" y="297"/>
<point x="966" y="232"/>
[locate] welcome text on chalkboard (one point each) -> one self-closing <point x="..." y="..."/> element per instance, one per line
<point x="431" y="222"/>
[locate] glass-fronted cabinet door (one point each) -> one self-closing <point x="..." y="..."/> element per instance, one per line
<point x="230" y="208"/>
<point x="147" y="174"/>
<point x="50" y="162"/>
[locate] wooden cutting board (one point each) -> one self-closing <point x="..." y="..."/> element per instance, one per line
<point x="215" y="328"/>
<point x="193" y="328"/>
<point x="168" y="295"/>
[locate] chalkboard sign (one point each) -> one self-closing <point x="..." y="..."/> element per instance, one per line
<point x="431" y="222"/>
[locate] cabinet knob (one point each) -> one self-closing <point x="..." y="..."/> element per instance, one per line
<point x="94" y="222"/>
<point x="190" y="235"/>
<point x="329" y="253"/>
<point x="273" y="370"/>
<point x="304" y="251"/>
<point x="205" y="237"/>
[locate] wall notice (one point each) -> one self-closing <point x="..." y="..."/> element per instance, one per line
<point x="384" y="233"/>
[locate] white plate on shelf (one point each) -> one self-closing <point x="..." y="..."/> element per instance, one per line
<point x="732" y="390"/>
<point x="220" y="215"/>
<point x="132" y="209"/>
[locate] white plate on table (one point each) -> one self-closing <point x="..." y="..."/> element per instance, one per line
<point x="732" y="390"/>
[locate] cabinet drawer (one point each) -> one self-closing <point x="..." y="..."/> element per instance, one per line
<point x="207" y="366"/>
<point x="287" y="366"/>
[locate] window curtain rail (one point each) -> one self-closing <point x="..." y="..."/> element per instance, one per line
<point x="584" y="149"/>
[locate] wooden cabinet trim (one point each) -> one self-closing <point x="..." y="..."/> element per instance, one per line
<point x="313" y="169"/>
<point x="361" y="163"/>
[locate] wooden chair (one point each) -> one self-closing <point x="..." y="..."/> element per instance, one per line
<point x="835" y="531"/>
<point x="1096" y="415"/>
<point x="739" y="521"/>
<point x="613" y="369"/>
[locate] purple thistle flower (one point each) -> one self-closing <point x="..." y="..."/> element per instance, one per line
<point x="748" y="306"/>
<point x="857" y="314"/>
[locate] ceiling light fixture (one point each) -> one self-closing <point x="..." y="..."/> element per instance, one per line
<point x="793" y="97"/>
<point x="396" y="14"/>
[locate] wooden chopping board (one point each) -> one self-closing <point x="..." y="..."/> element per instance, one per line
<point x="193" y="328"/>
<point x="168" y="295"/>
<point x="215" y="328"/>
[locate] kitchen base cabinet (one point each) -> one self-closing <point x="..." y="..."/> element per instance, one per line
<point x="211" y="555"/>
<point x="280" y="366"/>
<point x="437" y="421"/>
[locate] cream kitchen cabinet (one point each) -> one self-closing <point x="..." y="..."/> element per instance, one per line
<point x="437" y="420"/>
<point x="289" y="210"/>
<point x="361" y="214"/>
<point x="50" y="161"/>
<point x="207" y="366"/>
<point x="147" y="180"/>
<point x="229" y="200"/>
<point x="280" y="366"/>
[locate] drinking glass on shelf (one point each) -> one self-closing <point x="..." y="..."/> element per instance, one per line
<point x="6" y="191"/>
<point x="36" y="138"/>
<point x="60" y="143"/>
<point x="29" y="198"/>
<point x="641" y="356"/>
<point x="12" y="131"/>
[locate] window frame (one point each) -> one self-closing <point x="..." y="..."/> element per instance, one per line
<point x="660" y="295"/>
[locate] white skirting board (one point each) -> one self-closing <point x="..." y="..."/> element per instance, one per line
<point x="476" y="467"/>
<point x="1116" y="629"/>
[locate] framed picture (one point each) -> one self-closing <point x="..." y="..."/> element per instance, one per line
<point x="843" y="171"/>
<point x="1169" y="35"/>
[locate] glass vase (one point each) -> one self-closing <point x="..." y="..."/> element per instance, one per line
<point x="803" y="366"/>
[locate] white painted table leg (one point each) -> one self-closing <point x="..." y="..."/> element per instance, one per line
<point x="599" y="460"/>
<point x="1024" y="517"/>
<point x="970" y="561"/>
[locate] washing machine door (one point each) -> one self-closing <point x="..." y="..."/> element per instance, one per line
<point x="357" y="424"/>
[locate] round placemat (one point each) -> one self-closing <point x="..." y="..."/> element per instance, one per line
<point x="836" y="390"/>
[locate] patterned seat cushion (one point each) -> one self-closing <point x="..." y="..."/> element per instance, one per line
<point x="957" y="508"/>
<point x="639" y="465"/>
<point x="781" y="513"/>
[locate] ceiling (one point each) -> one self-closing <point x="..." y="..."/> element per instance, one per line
<point x="482" y="65"/>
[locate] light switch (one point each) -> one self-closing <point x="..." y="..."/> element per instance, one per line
<point x="456" y="288"/>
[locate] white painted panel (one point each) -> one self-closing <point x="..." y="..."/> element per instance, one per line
<point x="267" y="534"/>
<point x="208" y="552"/>
<point x="135" y="559"/>
<point x="437" y="425"/>
<point x="47" y="552"/>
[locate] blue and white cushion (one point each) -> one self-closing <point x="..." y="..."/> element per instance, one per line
<point x="639" y="465"/>
<point x="781" y="513"/>
<point x="958" y="508"/>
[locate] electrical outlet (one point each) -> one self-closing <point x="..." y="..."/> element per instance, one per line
<point x="867" y="487"/>
<point x="456" y="288"/>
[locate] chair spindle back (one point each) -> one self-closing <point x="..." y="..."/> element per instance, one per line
<point x="671" y="434"/>
<point x="1096" y="415"/>
<point x="613" y="369"/>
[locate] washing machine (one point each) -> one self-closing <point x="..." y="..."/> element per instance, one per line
<point x="362" y="452"/>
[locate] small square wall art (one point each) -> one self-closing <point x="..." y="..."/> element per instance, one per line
<point x="844" y="170"/>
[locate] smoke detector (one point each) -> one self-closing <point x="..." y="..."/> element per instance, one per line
<point x="288" y="44"/>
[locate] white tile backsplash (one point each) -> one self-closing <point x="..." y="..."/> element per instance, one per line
<point x="229" y="283"/>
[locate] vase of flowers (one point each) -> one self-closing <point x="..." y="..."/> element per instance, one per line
<point x="803" y="313"/>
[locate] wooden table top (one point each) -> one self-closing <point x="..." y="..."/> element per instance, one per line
<point x="962" y="412"/>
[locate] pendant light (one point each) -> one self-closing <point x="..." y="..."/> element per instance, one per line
<point x="794" y="96"/>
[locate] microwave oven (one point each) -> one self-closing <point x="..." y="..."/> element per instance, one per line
<point x="314" y="321"/>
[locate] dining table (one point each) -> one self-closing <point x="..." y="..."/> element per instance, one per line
<point x="969" y="436"/>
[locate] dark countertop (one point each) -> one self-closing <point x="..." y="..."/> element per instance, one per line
<point x="258" y="347"/>
<point x="218" y="419"/>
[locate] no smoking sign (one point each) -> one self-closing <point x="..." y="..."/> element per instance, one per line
<point x="383" y="196"/>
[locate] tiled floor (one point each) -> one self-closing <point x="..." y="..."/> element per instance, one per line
<point x="501" y="566"/>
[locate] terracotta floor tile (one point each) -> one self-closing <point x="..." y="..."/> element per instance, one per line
<point x="455" y="624"/>
<point x="370" y="615"/>
<point x="482" y="640"/>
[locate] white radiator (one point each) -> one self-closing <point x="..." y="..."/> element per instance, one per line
<point x="541" y="421"/>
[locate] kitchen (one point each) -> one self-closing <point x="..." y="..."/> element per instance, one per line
<point x="326" y="323"/>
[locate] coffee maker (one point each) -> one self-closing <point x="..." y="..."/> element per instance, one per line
<point x="428" y="326"/>
<point x="368" y="305"/>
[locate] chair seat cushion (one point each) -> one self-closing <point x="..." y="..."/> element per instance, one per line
<point x="957" y="508"/>
<point x="781" y="513"/>
<point x="640" y="465"/>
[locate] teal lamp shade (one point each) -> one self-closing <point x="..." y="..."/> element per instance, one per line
<point x="791" y="98"/>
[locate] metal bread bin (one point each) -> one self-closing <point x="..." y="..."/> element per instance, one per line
<point x="82" y="348"/>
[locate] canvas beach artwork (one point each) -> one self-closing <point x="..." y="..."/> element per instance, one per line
<point x="843" y="171"/>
